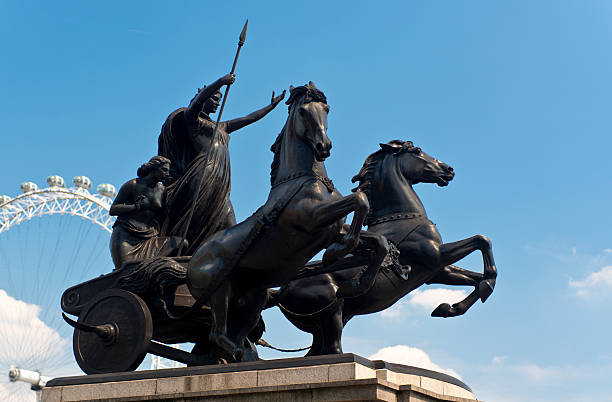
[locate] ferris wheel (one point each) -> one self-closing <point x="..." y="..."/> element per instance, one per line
<point x="39" y="259"/>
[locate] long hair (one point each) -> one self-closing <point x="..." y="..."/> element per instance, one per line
<point x="154" y="163"/>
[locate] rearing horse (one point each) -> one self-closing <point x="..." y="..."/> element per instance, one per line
<point x="314" y="305"/>
<point x="303" y="215"/>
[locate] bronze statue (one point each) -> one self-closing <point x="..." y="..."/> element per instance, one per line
<point x="140" y="207"/>
<point x="212" y="293"/>
<point x="314" y="305"/>
<point x="200" y="169"/>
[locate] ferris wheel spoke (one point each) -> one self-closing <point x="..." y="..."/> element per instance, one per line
<point x="43" y="250"/>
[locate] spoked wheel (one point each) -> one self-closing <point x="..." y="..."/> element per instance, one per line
<point x="113" y="333"/>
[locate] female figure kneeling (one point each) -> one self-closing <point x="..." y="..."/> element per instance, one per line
<point x="140" y="207"/>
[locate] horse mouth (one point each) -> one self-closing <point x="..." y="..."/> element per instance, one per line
<point x="321" y="153"/>
<point x="444" y="180"/>
<point x="320" y="157"/>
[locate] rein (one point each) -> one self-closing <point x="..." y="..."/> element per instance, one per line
<point x="334" y="301"/>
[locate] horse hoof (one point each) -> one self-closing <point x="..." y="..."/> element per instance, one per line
<point x="238" y="354"/>
<point x="226" y="346"/>
<point x="332" y="254"/>
<point x="485" y="288"/>
<point x="443" y="310"/>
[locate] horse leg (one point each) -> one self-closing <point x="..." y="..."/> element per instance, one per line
<point x="328" y="212"/>
<point x="250" y="307"/>
<point x="332" y="333"/>
<point x="452" y="252"/>
<point x="219" y="306"/>
<point x="317" y="342"/>
<point x="446" y="310"/>
<point x="378" y="247"/>
<point x="455" y="276"/>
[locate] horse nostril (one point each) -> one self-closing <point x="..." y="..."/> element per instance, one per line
<point x="320" y="147"/>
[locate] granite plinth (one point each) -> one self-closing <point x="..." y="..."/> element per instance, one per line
<point x="345" y="377"/>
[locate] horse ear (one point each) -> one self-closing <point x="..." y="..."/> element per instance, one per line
<point x="389" y="148"/>
<point x="291" y="88"/>
<point x="311" y="84"/>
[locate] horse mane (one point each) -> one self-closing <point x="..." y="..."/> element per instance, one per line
<point x="366" y="175"/>
<point x="297" y="95"/>
<point x="275" y="148"/>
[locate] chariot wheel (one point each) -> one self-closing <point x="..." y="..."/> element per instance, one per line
<point x="113" y="333"/>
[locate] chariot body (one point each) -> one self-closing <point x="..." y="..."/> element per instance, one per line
<point x="121" y="317"/>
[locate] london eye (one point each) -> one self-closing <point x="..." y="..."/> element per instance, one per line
<point x="50" y="238"/>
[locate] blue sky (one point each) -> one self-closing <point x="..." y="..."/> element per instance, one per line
<point x="514" y="95"/>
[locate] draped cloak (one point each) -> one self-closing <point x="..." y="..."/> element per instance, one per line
<point x="133" y="240"/>
<point x="188" y="167"/>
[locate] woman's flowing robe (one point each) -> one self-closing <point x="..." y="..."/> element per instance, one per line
<point x="197" y="175"/>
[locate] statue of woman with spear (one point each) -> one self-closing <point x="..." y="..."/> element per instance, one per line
<point x="198" y="194"/>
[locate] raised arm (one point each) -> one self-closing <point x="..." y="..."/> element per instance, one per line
<point x="195" y="107"/>
<point x="236" y="124"/>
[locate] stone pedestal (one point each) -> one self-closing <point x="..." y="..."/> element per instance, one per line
<point x="344" y="377"/>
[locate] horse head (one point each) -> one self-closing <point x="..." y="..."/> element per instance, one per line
<point x="388" y="174"/>
<point x="416" y="166"/>
<point x="308" y="111"/>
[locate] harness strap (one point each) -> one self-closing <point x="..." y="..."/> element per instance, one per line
<point x="323" y="179"/>
<point x="393" y="217"/>
<point x="262" y="219"/>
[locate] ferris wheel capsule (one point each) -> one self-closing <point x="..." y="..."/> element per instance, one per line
<point x="83" y="182"/>
<point x="55" y="181"/>
<point x="28" y="187"/>
<point x="107" y="190"/>
<point x="36" y="337"/>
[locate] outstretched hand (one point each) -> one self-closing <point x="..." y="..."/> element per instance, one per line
<point x="276" y="100"/>
<point x="228" y="79"/>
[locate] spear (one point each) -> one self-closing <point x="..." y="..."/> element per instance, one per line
<point x="240" y="43"/>
<point x="241" y="40"/>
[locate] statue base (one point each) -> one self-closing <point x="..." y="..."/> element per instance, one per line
<point x="345" y="377"/>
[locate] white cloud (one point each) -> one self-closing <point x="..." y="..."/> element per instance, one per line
<point x="541" y="375"/>
<point x="26" y="340"/>
<point x="595" y="281"/>
<point x="499" y="359"/>
<point x="419" y="301"/>
<point x="409" y="356"/>
<point x="16" y="392"/>
<point x="430" y="299"/>
<point x="541" y="383"/>
<point x="394" y="311"/>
